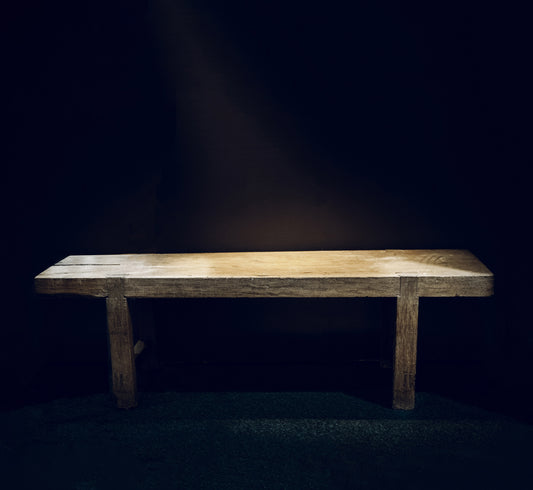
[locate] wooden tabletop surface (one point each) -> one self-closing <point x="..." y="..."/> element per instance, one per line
<point x="268" y="269"/>
<point x="345" y="263"/>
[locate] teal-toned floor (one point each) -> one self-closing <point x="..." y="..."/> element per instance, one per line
<point x="299" y="440"/>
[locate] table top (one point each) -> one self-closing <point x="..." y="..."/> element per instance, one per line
<point x="264" y="274"/>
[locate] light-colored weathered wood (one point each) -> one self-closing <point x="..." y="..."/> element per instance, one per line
<point x="261" y="287"/>
<point x="365" y="273"/>
<point x="404" y="372"/>
<point x="405" y="274"/>
<point x="123" y="375"/>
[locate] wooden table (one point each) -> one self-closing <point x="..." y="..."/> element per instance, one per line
<point x="404" y="274"/>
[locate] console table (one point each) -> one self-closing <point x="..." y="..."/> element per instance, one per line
<point x="404" y="274"/>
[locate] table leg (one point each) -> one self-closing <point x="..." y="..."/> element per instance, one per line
<point x="403" y="396"/>
<point x="124" y="380"/>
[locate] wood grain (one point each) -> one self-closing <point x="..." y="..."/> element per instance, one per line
<point x="373" y="273"/>
<point x="123" y="374"/>
<point x="405" y="274"/>
<point x="404" y="364"/>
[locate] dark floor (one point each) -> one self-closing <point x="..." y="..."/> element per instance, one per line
<point x="258" y="440"/>
<point x="468" y="382"/>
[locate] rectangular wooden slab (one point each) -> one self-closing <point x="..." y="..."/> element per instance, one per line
<point x="344" y="273"/>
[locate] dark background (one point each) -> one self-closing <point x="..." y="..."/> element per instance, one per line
<point x="136" y="126"/>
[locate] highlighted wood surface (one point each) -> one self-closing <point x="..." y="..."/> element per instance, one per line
<point x="372" y="273"/>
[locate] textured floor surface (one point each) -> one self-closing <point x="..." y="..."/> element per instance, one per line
<point x="261" y="441"/>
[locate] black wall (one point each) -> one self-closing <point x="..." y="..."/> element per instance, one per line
<point x="174" y="126"/>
